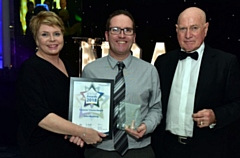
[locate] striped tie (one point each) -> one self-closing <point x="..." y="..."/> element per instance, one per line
<point x="120" y="136"/>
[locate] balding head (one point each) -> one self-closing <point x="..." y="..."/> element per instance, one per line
<point x="191" y="28"/>
<point x="193" y="12"/>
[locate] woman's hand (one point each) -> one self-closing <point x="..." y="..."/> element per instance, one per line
<point x="91" y="136"/>
<point x="76" y="140"/>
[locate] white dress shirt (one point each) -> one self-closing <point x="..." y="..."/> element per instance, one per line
<point x="182" y="95"/>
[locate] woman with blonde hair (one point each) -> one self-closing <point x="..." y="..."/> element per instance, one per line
<point x="43" y="97"/>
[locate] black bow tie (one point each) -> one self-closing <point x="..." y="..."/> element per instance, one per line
<point x="183" y="55"/>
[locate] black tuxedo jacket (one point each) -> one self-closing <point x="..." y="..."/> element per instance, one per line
<point x="218" y="88"/>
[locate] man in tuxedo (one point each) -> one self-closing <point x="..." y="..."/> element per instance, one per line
<point x="200" y="94"/>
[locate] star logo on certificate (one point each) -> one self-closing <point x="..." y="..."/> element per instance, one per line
<point x="92" y="96"/>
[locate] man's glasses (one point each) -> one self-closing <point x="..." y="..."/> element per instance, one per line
<point x="116" y="30"/>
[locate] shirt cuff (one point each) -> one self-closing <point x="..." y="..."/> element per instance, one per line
<point x="212" y="125"/>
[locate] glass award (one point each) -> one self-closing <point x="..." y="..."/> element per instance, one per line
<point x="130" y="116"/>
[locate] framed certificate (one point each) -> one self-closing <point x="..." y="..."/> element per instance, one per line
<point x="91" y="103"/>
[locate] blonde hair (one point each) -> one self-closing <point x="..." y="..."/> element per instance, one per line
<point x="47" y="18"/>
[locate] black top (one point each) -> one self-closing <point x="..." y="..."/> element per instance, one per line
<point x="43" y="89"/>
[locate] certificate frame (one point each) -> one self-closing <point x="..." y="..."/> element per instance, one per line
<point x="91" y="103"/>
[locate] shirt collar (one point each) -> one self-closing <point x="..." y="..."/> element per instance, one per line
<point x="113" y="62"/>
<point x="199" y="50"/>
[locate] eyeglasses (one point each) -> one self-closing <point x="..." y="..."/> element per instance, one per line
<point x="116" y="31"/>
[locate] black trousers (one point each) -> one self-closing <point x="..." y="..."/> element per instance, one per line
<point x="146" y="152"/>
<point x="194" y="148"/>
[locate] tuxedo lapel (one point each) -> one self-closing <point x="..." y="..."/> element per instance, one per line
<point x="166" y="65"/>
<point x="206" y="70"/>
<point x="171" y="68"/>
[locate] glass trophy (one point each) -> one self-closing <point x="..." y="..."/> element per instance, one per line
<point x="130" y="116"/>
